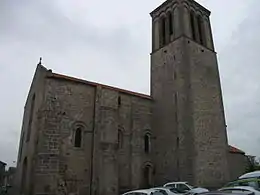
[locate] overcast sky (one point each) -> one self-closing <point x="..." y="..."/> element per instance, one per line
<point x="109" y="42"/>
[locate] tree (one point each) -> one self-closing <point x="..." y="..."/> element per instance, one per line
<point x="253" y="163"/>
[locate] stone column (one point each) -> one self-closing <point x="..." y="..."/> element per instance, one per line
<point x="197" y="34"/>
<point x="156" y="34"/>
<point x="208" y="33"/>
<point x="107" y="143"/>
<point x="186" y="22"/>
<point x="176" y="22"/>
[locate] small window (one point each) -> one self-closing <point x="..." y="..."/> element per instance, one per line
<point x="163" y="37"/>
<point x="170" y="19"/>
<point x="78" y="138"/>
<point x="192" y="25"/>
<point x="119" y="101"/>
<point x="147" y="143"/>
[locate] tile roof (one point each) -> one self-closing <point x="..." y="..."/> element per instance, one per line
<point x="233" y="149"/>
<point x="73" y="79"/>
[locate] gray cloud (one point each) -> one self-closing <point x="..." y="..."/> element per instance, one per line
<point x="241" y="85"/>
<point x="111" y="44"/>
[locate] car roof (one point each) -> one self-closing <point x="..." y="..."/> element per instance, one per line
<point x="142" y="191"/>
<point x="250" y="174"/>
<point x="239" y="187"/>
<point x="224" y="193"/>
<point x="245" y="179"/>
<point x="177" y="182"/>
<point x="160" y="188"/>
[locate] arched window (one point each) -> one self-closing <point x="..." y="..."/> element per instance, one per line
<point x="192" y="24"/>
<point x="147" y="176"/>
<point x="147" y="143"/>
<point x="178" y="142"/>
<point x="120" y="138"/>
<point x="170" y="19"/>
<point x="163" y="32"/>
<point x="24" y="176"/>
<point x="78" y="137"/>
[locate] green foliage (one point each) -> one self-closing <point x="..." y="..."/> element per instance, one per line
<point x="253" y="164"/>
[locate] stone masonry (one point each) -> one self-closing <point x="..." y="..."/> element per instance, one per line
<point x="80" y="137"/>
<point x="185" y="75"/>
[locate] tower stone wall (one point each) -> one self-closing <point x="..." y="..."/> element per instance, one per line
<point x="188" y="114"/>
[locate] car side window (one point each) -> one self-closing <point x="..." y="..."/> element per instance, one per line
<point x="175" y="190"/>
<point x="170" y="185"/>
<point x="163" y="192"/>
<point x="244" y="183"/>
<point x="182" y="188"/>
<point x="156" y="193"/>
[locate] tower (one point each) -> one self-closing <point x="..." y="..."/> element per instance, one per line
<point x="188" y="114"/>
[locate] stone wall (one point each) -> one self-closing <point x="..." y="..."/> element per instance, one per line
<point x="210" y="135"/>
<point x="67" y="106"/>
<point x="237" y="164"/>
<point x="164" y="66"/>
<point x="29" y="139"/>
<point x="185" y="78"/>
<point x="119" y="162"/>
<point x="102" y="164"/>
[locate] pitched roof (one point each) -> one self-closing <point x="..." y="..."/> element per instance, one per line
<point x="73" y="79"/>
<point x="233" y="149"/>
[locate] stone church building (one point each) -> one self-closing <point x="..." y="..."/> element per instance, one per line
<point x="80" y="137"/>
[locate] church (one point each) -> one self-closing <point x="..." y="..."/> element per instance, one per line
<point x="85" y="138"/>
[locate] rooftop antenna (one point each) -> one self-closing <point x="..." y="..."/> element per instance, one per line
<point x="40" y="62"/>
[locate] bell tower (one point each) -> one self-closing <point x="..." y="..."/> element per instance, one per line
<point x="188" y="114"/>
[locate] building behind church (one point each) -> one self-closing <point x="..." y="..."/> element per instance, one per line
<point x="82" y="137"/>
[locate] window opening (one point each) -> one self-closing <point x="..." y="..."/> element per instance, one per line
<point x="147" y="143"/>
<point x="192" y="25"/>
<point x="78" y="138"/>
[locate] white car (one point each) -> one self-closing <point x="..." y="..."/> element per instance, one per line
<point x="144" y="192"/>
<point x="237" y="189"/>
<point x="250" y="175"/>
<point x="185" y="187"/>
<point x="165" y="191"/>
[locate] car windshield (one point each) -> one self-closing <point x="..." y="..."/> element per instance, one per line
<point x="190" y="186"/>
<point x="255" y="183"/>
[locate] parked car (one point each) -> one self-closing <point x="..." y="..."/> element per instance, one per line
<point x="144" y="192"/>
<point x="239" y="189"/>
<point x="184" y="187"/>
<point x="255" y="174"/>
<point x="252" y="182"/>
<point x="165" y="191"/>
<point x="227" y="193"/>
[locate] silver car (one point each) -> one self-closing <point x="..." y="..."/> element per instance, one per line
<point x="144" y="192"/>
